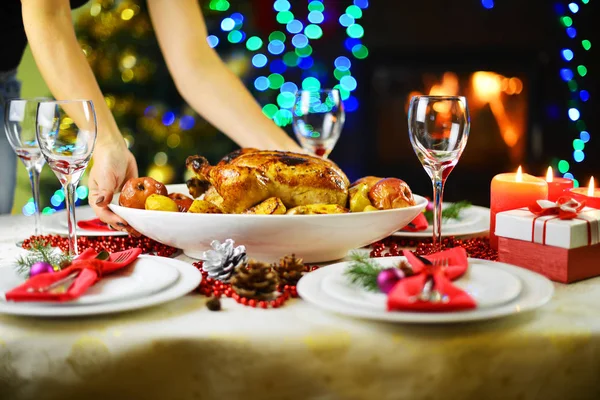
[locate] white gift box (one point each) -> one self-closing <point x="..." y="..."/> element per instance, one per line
<point x="522" y="224"/>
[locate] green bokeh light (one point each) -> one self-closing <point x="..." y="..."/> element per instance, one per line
<point x="344" y="94"/>
<point x="316" y="6"/>
<point x="360" y="51"/>
<point x="277" y="35"/>
<point x="578" y="144"/>
<point x="286" y="99"/>
<point x="354" y="11"/>
<point x="566" y="21"/>
<point x="572" y="86"/>
<point x="235" y="37"/>
<point x="284" y="17"/>
<point x="219" y="5"/>
<point x="339" y="74"/>
<point x="283" y="117"/>
<point x="586" y="44"/>
<point x="575" y="183"/>
<point x="269" y="110"/>
<point x="311" y="83"/>
<point x="313" y="31"/>
<point x="254" y="43"/>
<point x="275" y="81"/>
<point x="290" y="59"/>
<point x="582" y="70"/>
<point x="563" y="166"/>
<point x="304" y="51"/>
<point x="355" y="31"/>
<point x="581" y="125"/>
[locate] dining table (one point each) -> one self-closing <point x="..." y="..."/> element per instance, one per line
<point x="182" y="350"/>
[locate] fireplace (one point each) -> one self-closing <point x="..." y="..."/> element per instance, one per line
<point x="498" y="95"/>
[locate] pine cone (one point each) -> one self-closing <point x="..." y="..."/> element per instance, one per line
<point x="255" y="280"/>
<point x="290" y="269"/>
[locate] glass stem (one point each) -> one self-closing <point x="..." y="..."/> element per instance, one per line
<point x="69" y="189"/>
<point x="34" y="179"/>
<point x="438" y="193"/>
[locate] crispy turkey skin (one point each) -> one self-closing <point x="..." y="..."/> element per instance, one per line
<point x="248" y="176"/>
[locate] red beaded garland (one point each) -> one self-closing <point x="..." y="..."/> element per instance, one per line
<point x="107" y="243"/>
<point x="212" y="287"/>
<point x="476" y="247"/>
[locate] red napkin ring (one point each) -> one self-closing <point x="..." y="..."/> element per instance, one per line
<point x="403" y="296"/>
<point x="94" y="224"/>
<point x="420" y="223"/>
<point x="91" y="269"/>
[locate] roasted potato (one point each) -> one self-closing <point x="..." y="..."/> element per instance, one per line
<point x="359" y="197"/>
<point x="204" y="207"/>
<point x="318" y="209"/>
<point x="158" y="202"/>
<point x="391" y="193"/>
<point x="271" y="206"/>
<point x="370" y="208"/>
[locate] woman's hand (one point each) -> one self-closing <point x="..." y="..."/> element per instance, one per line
<point x="113" y="166"/>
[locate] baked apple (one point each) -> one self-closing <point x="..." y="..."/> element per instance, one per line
<point x="183" y="202"/>
<point x="158" y="202"/>
<point x="370" y="181"/>
<point x="137" y="190"/>
<point x="391" y="193"/>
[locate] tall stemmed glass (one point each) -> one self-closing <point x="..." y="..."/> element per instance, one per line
<point x="318" y="119"/>
<point x="19" y="124"/>
<point x="66" y="132"/>
<point x="438" y="128"/>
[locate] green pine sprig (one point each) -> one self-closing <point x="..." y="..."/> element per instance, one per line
<point x="41" y="251"/>
<point x="451" y="212"/>
<point x="363" y="271"/>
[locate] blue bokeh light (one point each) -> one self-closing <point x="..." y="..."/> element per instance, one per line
<point x="573" y="7"/>
<point x="571" y="32"/>
<point x="187" y="122"/>
<point x="306" y="62"/>
<point x="568" y="175"/>
<point x="282" y="5"/>
<point x="584" y="95"/>
<point x="361" y="3"/>
<point x="261" y="83"/>
<point x="574" y="114"/>
<point x="227" y="24"/>
<point x="238" y="19"/>
<point x="351" y="104"/>
<point x="300" y="41"/>
<point x="316" y="17"/>
<point x="487" y="4"/>
<point x="567" y="54"/>
<point x="289" y="87"/>
<point x="584" y="136"/>
<point x="276" y="47"/>
<point x="277" y="67"/>
<point x="349" y="43"/>
<point x="342" y="63"/>
<point x="566" y="74"/>
<point x="348" y="83"/>
<point x="578" y="155"/>
<point x="212" y="40"/>
<point x="168" y="118"/>
<point x="346" y="20"/>
<point x="259" y="60"/>
<point x="294" y="26"/>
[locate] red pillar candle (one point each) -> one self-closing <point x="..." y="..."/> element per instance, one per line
<point x="513" y="190"/>
<point x="557" y="186"/>
<point x="590" y="195"/>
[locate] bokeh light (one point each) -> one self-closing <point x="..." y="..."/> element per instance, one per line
<point x="259" y="60"/>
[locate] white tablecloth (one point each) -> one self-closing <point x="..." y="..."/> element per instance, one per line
<point x="182" y="350"/>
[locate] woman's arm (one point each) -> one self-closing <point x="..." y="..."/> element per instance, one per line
<point x="61" y="61"/>
<point x="206" y="83"/>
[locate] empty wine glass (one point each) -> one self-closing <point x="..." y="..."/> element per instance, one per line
<point x="318" y="118"/>
<point x="438" y="127"/>
<point x="19" y="125"/>
<point x="66" y="132"/>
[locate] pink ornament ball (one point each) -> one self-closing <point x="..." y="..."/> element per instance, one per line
<point x="40" y="267"/>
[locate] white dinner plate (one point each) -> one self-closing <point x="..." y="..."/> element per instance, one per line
<point x="188" y="278"/>
<point x="57" y="223"/>
<point x="487" y="285"/>
<point x="536" y="291"/>
<point x="473" y="220"/>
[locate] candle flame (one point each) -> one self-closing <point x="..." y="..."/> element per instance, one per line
<point x="591" y="187"/>
<point x="549" y="175"/>
<point x="519" y="176"/>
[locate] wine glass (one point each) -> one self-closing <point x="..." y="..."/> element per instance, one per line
<point x="318" y="118"/>
<point x="438" y="127"/>
<point x="19" y="125"/>
<point x="66" y="132"/>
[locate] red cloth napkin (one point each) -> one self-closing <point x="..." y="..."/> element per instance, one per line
<point x="93" y="225"/>
<point x="91" y="268"/>
<point x="401" y="297"/>
<point x="418" y="224"/>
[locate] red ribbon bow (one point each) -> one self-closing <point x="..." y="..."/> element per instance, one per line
<point x="565" y="207"/>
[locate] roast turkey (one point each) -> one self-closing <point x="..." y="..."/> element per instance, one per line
<point x="248" y="176"/>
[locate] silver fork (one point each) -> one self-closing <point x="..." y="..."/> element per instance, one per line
<point x="429" y="292"/>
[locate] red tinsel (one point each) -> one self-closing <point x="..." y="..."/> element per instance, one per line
<point x="111" y="244"/>
<point x="475" y="247"/>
